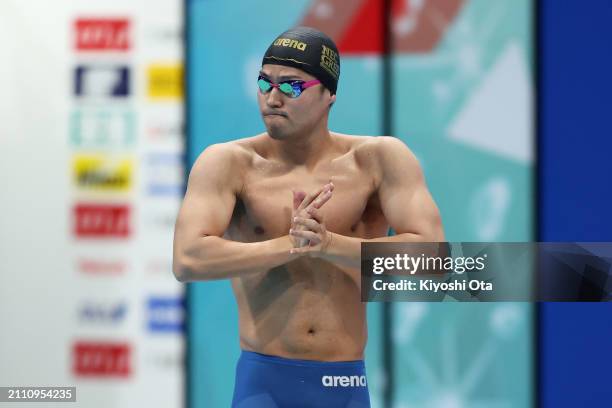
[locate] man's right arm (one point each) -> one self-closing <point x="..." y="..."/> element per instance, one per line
<point x="199" y="251"/>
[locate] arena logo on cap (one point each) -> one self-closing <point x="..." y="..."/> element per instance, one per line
<point x="288" y="42"/>
<point x="329" y="61"/>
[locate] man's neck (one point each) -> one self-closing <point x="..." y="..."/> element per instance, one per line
<point x="305" y="151"/>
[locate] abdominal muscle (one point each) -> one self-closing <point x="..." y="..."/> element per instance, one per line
<point x="307" y="309"/>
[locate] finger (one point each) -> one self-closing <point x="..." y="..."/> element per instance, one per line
<point x="308" y="223"/>
<point x="301" y="250"/>
<point x="298" y="197"/>
<point x="312" y="236"/>
<point x="310" y="197"/>
<point x="315" y="214"/>
<point x="322" y="199"/>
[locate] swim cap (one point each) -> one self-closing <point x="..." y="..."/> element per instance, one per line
<point x="309" y="50"/>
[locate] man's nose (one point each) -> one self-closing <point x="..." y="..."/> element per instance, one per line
<point x="275" y="98"/>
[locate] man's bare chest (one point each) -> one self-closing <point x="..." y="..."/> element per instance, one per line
<point x="264" y="207"/>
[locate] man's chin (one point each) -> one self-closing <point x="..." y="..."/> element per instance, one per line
<point x="275" y="132"/>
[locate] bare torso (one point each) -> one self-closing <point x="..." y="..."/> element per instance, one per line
<point x="308" y="308"/>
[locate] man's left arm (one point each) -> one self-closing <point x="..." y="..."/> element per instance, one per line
<point x="406" y="204"/>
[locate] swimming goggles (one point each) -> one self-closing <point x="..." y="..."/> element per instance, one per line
<point x="291" y="88"/>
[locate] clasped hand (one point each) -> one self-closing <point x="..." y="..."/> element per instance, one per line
<point x="308" y="233"/>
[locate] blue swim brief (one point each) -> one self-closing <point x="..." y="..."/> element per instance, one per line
<point x="264" y="381"/>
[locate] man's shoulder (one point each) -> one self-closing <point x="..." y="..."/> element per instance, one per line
<point x="234" y="151"/>
<point x="374" y="147"/>
<point x="383" y="143"/>
<point x="384" y="156"/>
<point x="225" y="161"/>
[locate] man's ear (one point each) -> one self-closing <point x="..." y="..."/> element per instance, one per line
<point x="332" y="100"/>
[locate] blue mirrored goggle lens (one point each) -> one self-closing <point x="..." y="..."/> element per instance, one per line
<point x="286" y="88"/>
<point x="264" y="85"/>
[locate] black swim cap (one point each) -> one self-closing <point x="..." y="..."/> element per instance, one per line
<point x="309" y="50"/>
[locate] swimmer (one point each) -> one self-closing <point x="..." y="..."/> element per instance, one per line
<point x="283" y="214"/>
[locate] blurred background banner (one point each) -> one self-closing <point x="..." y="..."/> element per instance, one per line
<point x="92" y="158"/>
<point x="463" y="86"/>
<point x="461" y="81"/>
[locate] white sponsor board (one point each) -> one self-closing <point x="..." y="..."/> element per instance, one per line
<point x="79" y="126"/>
